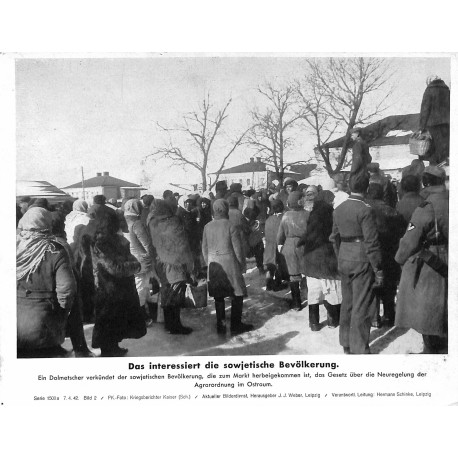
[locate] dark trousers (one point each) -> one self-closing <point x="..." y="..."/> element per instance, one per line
<point x="258" y="252"/>
<point x="358" y="305"/>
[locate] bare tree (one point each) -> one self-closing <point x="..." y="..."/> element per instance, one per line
<point x="338" y="94"/>
<point x="271" y="133"/>
<point x="198" y="131"/>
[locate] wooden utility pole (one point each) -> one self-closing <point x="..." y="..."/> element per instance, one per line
<point x="82" y="182"/>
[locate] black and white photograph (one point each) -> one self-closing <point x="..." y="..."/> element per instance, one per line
<point x="232" y="205"/>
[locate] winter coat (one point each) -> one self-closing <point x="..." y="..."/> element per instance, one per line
<point x="118" y="314"/>
<point x="271" y="231"/>
<point x="293" y="228"/>
<point x="390" y="229"/>
<point x="44" y="302"/>
<point x="262" y="202"/>
<point x="320" y="258"/>
<point x="191" y="227"/>
<point x="240" y="222"/>
<point x="75" y="222"/>
<point x="407" y="205"/>
<point x="422" y="295"/>
<point x="141" y="245"/>
<point x="223" y="253"/>
<point x="360" y="157"/>
<point x="204" y="215"/>
<point x="435" y="105"/>
<point x="171" y="243"/>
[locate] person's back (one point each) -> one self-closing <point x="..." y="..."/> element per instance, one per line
<point x="411" y="198"/>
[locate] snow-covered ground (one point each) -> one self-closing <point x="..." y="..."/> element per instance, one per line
<point x="278" y="330"/>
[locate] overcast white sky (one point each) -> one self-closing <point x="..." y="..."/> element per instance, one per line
<point x="101" y="113"/>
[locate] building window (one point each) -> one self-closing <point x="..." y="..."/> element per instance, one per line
<point x="248" y="182"/>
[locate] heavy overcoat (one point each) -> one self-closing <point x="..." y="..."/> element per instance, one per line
<point x="171" y="243"/>
<point x="44" y="302"/>
<point x="435" y="105"/>
<point x="118" y="314"/>
<point x="360" y="157"/>
<point x="224" y="255"/>
<point x="140" y="243"/>
<point x="422" y="295"/>
<point x="320" y="257"/>
<point x="293" y="228"/>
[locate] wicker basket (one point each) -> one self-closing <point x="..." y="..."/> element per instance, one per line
<point x="196" y="296"/>
<point x="420" y="144"/>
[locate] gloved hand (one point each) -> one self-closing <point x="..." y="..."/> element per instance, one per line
<point x="379" y="279"/>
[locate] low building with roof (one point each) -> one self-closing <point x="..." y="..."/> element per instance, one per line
<point x="40" y="189"/>
<point x="104" y="184"/>
<point x="388" y="141"/>
<point x="257" y="174"/>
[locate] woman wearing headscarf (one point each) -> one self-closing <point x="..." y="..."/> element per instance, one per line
<point x="118" y="314"/>
<point x="141" y="247"/>
<point x="75" y="222"/>
<point x="174" y="262"/>
<point x="292" y="229"/>
<point x="46" y="286"/>
<point x="224" y="256"/>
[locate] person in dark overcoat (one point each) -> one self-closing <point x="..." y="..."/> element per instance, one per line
<point x="410" y="200"/>
<point x="204" y="214"/>
<point x="422" y="296"/>
<point x="262" y="202"/>
<point x="274" y="261"/>
<point x="175" y="262"/>
<point x="323" y="280"/>
<point x="46" y="287"/>
<point x="223" y="253"/>
<point x="235" y="189"/>
<point x="355" y="239"/>
<point x="390" y="230"/>
<point x="118" y="314"/>
<point x="292" y="229"/>
<point x="360" y="154"/>
<point x="435" y="118"/>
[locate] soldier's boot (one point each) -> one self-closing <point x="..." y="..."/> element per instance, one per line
<point x="314" y="317"/>
<point x="220" y="308"/>
<point x="388" y="314"/>
<point x="269" y="281"/>
<point x="296" y="302"/>
<point x="333" y="312"/>
<point x="237" y="327"/>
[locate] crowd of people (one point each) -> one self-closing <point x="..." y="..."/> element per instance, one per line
<point x="380" y="244"/>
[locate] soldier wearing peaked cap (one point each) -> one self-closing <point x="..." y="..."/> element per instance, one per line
<point x="355" y="239"/>
<point x="423" y="253"/>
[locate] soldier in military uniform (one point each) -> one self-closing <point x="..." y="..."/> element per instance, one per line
<point x="355" y="239"/>
<point x="423" y="253"/>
